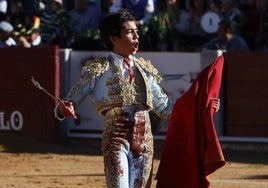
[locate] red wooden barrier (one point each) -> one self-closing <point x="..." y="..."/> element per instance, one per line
<point x="24" y="109"/>
<point x="246" y="94"/>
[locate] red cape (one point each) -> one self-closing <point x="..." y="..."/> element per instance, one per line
<point x="192" y="150"/>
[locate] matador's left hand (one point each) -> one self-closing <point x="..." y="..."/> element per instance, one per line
<point x="217" y="104"/>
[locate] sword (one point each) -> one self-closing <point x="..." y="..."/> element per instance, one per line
<point x="49" y="94"/>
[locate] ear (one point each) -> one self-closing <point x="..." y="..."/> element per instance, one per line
<point x="113" y="39"/>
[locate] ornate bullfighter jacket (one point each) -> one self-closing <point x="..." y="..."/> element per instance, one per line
<point x="105" y="83"/>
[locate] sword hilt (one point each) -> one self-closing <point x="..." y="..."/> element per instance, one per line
<point x="53" y="97"/>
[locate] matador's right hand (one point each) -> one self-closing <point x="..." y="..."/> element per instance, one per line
<point x="66" y="109"/>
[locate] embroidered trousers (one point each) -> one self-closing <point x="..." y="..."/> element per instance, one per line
<point x="127" y="149"/>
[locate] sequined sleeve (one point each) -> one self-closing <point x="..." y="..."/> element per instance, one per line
<point x="79" y="91"/>
<point x="82" y="88"/>
<point x="162" y="105"/>
<point x="90" y="72"/>
<point x="86" y="84"/>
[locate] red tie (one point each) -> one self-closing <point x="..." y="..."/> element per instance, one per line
<point x="130" y="71"/>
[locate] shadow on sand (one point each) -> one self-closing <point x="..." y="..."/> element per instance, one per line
<point x="17" y="144"/>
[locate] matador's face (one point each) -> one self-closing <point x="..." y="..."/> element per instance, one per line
<point x="128" y="42"/>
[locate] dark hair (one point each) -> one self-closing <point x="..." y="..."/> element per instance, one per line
<point x="112" y="24"/>
<point x="227" y="24"/>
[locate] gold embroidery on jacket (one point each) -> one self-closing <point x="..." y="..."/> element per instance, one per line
<point x="119" y="91"/>
<point x="147" y="65"/>
<point x="97" y="65"/>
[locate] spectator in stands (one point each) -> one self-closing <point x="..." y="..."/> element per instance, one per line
<point x="55" y="24"/>
<point x="211" y="18"/>
<point x="230" y="11"/>
<point x="226" y="39"/>
<point x="6" y="39"/>
<point x="32" y="37"/>
<point x="15" y="14"/>
<point x="196" y="12"/>
<point x="84" y="20"/>
<point x="142" y="10"/>
<point x="169" y="20"/>
<point x="181" y="16"/>
<point x="195" y="36"/>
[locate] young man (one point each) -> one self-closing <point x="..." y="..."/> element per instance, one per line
<point x="226" y="39"/>
<point x="123" y="92"/>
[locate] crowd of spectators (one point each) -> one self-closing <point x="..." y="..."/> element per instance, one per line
<point x="164" y="25"/>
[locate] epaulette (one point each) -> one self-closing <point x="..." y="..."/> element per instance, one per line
<point x="148" y="66"/>
<point x="97" y="66"/>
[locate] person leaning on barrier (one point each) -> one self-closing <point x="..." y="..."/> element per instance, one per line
<point x="123" y="89"/>
<point x="226" y="39"/>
